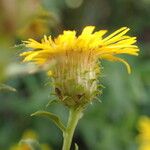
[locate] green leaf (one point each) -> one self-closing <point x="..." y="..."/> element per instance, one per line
<point x="76" y="146"/>
<point x="33" y="144"/>
<point x="52" y="117"/>
<point x="4" y="87"/>
<point x="52" y="102"/>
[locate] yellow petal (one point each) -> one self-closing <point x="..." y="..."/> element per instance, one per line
<point x="114" y="58"/>
<point x="116" y="32"/>
<point x="87" y="30"/>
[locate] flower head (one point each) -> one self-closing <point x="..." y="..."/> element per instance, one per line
<point x="144" y="136"/>
<point x="20" y="147"/>
<point x="74" y="58"/>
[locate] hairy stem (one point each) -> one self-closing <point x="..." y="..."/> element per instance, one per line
<point x="74" y="116"/>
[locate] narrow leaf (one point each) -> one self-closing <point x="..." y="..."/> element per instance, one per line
<point x="4" y="87"/>
<point x="52" y="117"/>
<point x="76" y="146"/>
<point x="52" y="102"/>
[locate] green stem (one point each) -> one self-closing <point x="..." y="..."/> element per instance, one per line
<point x="74" y="116"/>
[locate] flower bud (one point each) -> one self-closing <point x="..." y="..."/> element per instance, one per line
<point x="75" y="78"/>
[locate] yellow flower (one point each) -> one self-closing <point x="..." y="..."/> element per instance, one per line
<point x="21" y="147"/>
<point x="88" y="42"/>
<point x="144" y="135"/>
<point x="144" y="129"/>
<point x="145" y="146"/>
<point x="73" y="59"/>
<point x="30" y="134"/>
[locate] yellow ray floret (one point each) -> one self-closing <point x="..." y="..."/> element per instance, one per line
<point x="95" y="43"/>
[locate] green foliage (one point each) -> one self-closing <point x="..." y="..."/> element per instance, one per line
<point x="52" y="117"/>
<point x="4" y="87"/>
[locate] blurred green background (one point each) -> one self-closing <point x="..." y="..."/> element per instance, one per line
<point x="110" y="125"/>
